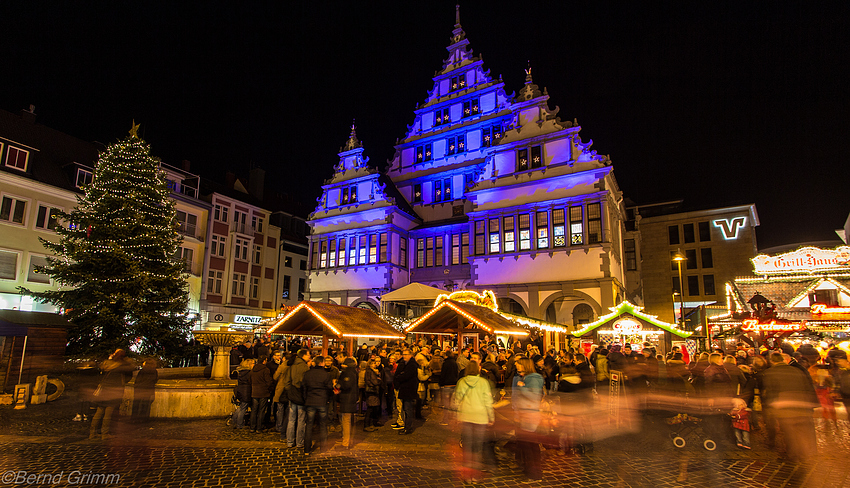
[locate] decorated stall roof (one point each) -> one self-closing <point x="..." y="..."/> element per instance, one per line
<point x="317" y="319"/>
<point x="442" y="319"/>
<point x="627" y="309"/>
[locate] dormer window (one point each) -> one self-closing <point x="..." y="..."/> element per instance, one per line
<point x="490" y="135"/>
<point x="17" y="158"/>
<point x="442" y="117"/>
<point x="456" y="144"/>
<point x="529" y="158"/>
<point x="458" y="82"/>
<point x="349" y="195"/>
<point x="83" y="178"/>
<point x="423" y="153"/>
<point x="470" y="107"/>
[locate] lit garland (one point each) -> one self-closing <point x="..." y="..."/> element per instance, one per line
<point x="626" y="307"/>
<point x="803" y="294"/>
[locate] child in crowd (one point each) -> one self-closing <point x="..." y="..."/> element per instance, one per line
<point x="741" y="422"/>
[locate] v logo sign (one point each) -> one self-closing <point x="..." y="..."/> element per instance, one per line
<point x="730" y="227"/>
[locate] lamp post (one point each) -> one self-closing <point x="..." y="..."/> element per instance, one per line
<point x="678" y="258"/>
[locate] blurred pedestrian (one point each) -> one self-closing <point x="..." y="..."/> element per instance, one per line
<point x="115" y="371"/>
<point x="527" y="392"/>
<point x="318" y="387"/>
<point x="348" y="393"/>
<point x="473" y="400"/>
<point x="144" y="390"/>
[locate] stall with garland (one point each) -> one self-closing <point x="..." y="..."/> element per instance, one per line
<point x="334" y="323"/>
<point x="628" y="324"/>
<point x="800" y="297"/>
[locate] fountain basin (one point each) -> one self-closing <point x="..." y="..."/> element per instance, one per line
<point x="187" y="398"/>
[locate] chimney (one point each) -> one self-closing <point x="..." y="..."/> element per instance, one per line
<point x="28" y="115"/>
<point x="256" y="182"/>
<point x="186" y="164"/>
<point x="229" y="179"/>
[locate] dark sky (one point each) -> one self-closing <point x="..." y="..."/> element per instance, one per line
<point x="718" y="103"/>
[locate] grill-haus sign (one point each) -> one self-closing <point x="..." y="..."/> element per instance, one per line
<point x="804" y="260"/>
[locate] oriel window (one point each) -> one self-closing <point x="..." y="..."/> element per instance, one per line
<point x="352" y="251"/>
<point x="542" y="230"/>
<point x="576" y="226"/>
<point x="494" y="236"/>
<point x="558" y="228"/>
<point x="524" y="232"/>
<point x="508" y="227"/>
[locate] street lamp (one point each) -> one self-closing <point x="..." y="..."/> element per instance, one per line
<point x="678" y="258"/>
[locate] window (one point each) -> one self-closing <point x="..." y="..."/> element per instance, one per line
<point x="676" y="289"/>
<point x="824" y="296"/>
<point x="429" y="252"/>
<point x="33" y="276"/>
<point x="186" y="255"/>
<point x="417" y="193"/>
<point x="693" y="286"/>
<point x="341" y="254"/>
<point x="323" y="254"/>
<point x="255" y="287"/>
<point x="220" y="213"/>
<point x="691" y="256"/>
<point x="287" y="261"/>
<point x="187" y="223"/>
<point x="302" y="285"/>
<point x="495" y="248"/>
<point x="17" y="158"/>
<point x="510" y="236"/>
<point x="455" y="249"/>
<point x="352" y="251"/>
<point x="352" y="194"/>
<point x="258" y="253"/>
<point x="707" y="260"/>
<point x="423" y="153"/>
<point x="631" y="254"/>
<point x="438" y="190"/>
<point x="13" y="210"/>
<point x="420" y="253"/>
<point x="382" y="248"/>
<point x="458" y="82"/>
<point x="470" y="108"/>
<point x="241" y="247"/>
<point x="361" y="255"/>
<point x="46" y="218"/>
<point x="708" y="284"/>
<point x="480" y="237"/>
<point x="542" y="230"/>
<point x="85" y="178"/>
<point x="239" y="284"/>
<point x="490" y="135"/>
<point x="302" y="265"/>
<point x="402" y="251"/>
<point x="217" y="248"/>
<point x="344" y="198"/>
<point x="214" y="282"/>
<point x="674" y="265"/>
<point x="287" y="284"/>
<point x="536" y="156"/>
<point x="524" y="232"/>
<point x="331" y="253"/>
<point x="673" y="234"/>
<point x="373" y="248"/>
<point x="239" y="219"/>
<point x="522" y="160"/>
<point x="443" y="190"/>
<point x="456" y="144"/>
<point x="464" y="248"/>
<point x="8" y="265"/>
<point x="594" y="223"/>
<point x="688" y="233"/>
<point x="704" y="232"/>
<point x="257" y="223"/>
<point x="576" y="226"/>
<point x="439" y="259"/>
<point x="558" y="227"/>
<point x="441" y="116"/>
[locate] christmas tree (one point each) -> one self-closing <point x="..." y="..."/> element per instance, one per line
<point x="120" y="283"/>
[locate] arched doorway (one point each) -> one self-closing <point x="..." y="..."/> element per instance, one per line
<point x="582" y="314"/>
<point x="509" y="305"/>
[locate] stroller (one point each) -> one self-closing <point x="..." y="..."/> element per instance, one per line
<point x="236" y="406"/>
<point x="684" y="427"/>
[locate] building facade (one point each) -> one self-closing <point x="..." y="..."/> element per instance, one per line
<point x="717" y="245"/>
<point x="486" y="191"/>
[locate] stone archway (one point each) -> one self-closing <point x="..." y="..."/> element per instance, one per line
<point x="366" y="303"/>
<point x="582" y="314"/>
<point x="513" y="305"/>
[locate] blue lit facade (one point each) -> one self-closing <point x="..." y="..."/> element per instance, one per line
<point x="485" y="191"/>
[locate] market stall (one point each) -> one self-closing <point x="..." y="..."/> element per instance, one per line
<point x="464" y="322"/>
<point x="334" y="322"/>
<point x="627" y="324"/>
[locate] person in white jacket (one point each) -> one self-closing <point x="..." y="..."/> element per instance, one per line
<point x="473" y="401"/>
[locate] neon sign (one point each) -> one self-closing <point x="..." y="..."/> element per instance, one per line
<point x="805" y="260"/>
<point x="484" y="299"/>
<point x="753" y="325"/>
<point x="730" y="227"/>
<point x="627" y="326"/>
<point x="820" y="308"/>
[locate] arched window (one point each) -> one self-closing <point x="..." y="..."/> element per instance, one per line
<point x="582" y="314"/>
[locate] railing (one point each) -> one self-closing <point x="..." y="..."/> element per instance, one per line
<point x="190" y="230"/>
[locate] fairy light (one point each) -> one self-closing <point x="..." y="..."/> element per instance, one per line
<point x="626" y="307"/>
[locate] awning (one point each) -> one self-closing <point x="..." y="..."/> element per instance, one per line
<point x="413" y="291"/>
<point x="319" y="319"/>
<point x="443" y="319"/>
<point x="17" y="322"/>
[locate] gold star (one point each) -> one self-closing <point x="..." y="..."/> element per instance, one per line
<point x="134" y="131"/>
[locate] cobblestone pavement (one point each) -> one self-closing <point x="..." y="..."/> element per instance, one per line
<point x="177" y="453"/>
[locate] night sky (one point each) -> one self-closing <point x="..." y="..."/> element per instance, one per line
<point x="718" y="103"/>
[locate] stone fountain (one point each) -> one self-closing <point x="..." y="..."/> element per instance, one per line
<point x="194" y="396"/>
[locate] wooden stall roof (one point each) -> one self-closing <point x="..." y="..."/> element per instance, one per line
<point x="635" y="312"/>
<point x="316" y="319"/>
<point x="442" y="319"/>
<point x="17" y="322"/>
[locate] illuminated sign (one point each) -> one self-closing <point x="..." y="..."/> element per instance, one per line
<point x="627" y="326"/>
<point x="753" y="325"/>
<point x="484" y="299"/>
<point x="819" y="308"/>
<point x="241" y="326"/>
<point x="248" y="319"/>
<point x="805" y="260"/>
<point x="730" y="227"/>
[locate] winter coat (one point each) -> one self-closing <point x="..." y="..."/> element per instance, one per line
<point x="243" y="384"/>
<point x="718" y="383"/>
<point x="373" y="381"/>
<point x="602" y="368"/>
<point x="738" y="379"/>
<point x="526" y="400"/>
<point x="278" y="387"/>
<point x="788" y="392"/>
<point x="617" y="361"/>
<point x="474" y="401"/>
<point x="318" y="386"/>
<point x="115" y="373"/>
<point x="349" y="392"/>
<point x="407" y="379"/>
<point x="449" y="373"/>
<point x="261" y="381"/>
<point x="143" y="387"/>
<point x="741" y="419"/>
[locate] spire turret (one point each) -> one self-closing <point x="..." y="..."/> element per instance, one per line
<point x="352" y="142"/>
<point x="529" y="90"/>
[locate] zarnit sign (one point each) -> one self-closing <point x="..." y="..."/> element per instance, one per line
<point x="805" y="260"/>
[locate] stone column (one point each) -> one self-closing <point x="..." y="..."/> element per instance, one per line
<point x="221" y="341"/>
